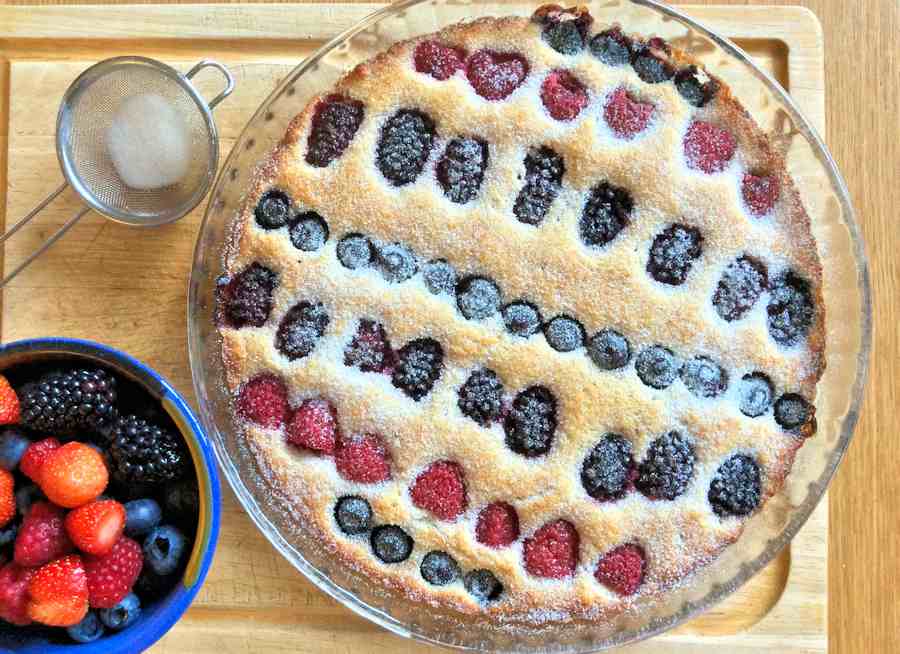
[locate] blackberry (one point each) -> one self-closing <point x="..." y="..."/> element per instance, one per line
<point x="308" y="232"/>
<point x="522" y="318"/>
<point x="395" y="262"/>
<point x="736" y="487"/>
<point x="564" y="334"/>
<point x="141" y="452"/>
<point x="247" y="298"/>
<point x="694" y="91"/>
<point x="440" y="277"/>
<point x="790" y="309"/>
<point x="481" y="397"/>
<point x="404" y="145"/>
<point x="564" y="36"/>
<point x="743" y="281"/>
<point x="483" y="585"/>
<point x="419" y="365"/>
<point x="650" y="68"/>
<point x="460" y="170"/>
<point x="439" y="568"/>
<point x="300" y="329"/>
<point x="391" y="544"/>
<point x="544" y="170"/>
<point x="666" y="471"/>
<point x="334" y="124"/>
<point x="477" y="298"/>
<point x="70" y="401"/>
<point x="611" y="47"/>
<point x="657" y="366"/>
<point x="531" y="422"/>
<point x="703" y="377"/>
<point x="606" y="213"/>
<point x="792" y="412"/>
<point x="672" y="254"/>
<point x="273" y="210"/>
<point x="354" y="251"/>
<point x="609" y="350"/>
<point x="353" y="515"/>
<point x="608" y="469"/>
<point x="755" y="394"/>
<point x="369" y="350"/>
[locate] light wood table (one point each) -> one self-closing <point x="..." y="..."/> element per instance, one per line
<point x="863" y="98"/>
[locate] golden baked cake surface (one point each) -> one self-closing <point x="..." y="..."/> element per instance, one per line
<point x="524" y="317"/>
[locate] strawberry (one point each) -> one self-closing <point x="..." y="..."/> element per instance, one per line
<point x="34" y="456"/>
<point x="111" y="577"/>
<point x="42" y="536"/>
<point x="9" y="403"/>
<point x="73" y="474"/>
<point x="94" y="528"/>
<point x="363" y="459"/>
<point x="7" y="497"/>
<point x="553" y="550"/>
<point x="58" y="592"/>
<point x="498" y="525"/>
<point x="622" y="569"/>
<point x="441" y="489"/>
<point x="14" y="593"/>
<point x="313" y="426"/>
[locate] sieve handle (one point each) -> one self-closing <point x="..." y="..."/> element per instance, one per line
<point x="229" y="79"/>
<point x="50" y="241"/>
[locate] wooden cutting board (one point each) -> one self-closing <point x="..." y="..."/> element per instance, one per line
<point x="127" y="287"/>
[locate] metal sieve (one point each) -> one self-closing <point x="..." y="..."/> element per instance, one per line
<point x="85" y="115"/>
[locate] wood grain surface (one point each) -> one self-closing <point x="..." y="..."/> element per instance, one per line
<point x="863" y="82"/>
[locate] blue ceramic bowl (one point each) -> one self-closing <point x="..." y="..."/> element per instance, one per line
<point x="158" y="617"/>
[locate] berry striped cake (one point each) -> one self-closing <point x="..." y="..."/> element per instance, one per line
<point x="524" y="318"/>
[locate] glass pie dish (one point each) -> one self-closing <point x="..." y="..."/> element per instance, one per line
<point x="845" y="289"/>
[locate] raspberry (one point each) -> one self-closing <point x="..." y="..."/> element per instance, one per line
<point x="673" y="252"/>
<point x="743" y="281"/>
<point x="755" y="393"/>
<point x="460" y="170"/>
<point x="666" y="471"/>
<point x="441" y="489"/>
<point x="94" y="528"/>
<point x="694" y="91"/>
<point x="73" y="474"/>
<point x="438" y="60"/>
<point x="790" y="309"/>
<point x="650" y="68"/>
<point x="247" y="298"/>
<point x="531" y="422"/>
<point x="563" y="95"/>
<point x="657" y="366"/>
<point x="564" y="334"/>
<point x="735" y="489"/>
<point x="353" y="515"/>
<point x="334" y="124"/>
<point x="608" y="470"/>
<point x="611" y="47"/>
<point x="552" y="551"/>
<point x="481" y="397"/>
<point x="308" y="232"/>
<point x="34" y="457"/>
<point x="300" y="329"/>
<point x="439" y="568"/>
<point x="478" y="297"/>
<point x="395" y="262"/>
<point x="58" y="594"/>
<point x="313" y="426"/>
<point x="419" y="364"/>
<point x="792" y="412"/>
<point x="498" y="525"/>
<point x="7" y="497"/>
<point x="263" y="400"/>
<point x="71" y="401"/>
<point x="111" y="577"/>
<point x="143" y="452"/>
<point x="404" y="145"/>
<point x="273" y="210"/>
<point x="495" y="75"/>
<point x="483" y="585"/>
<point x="363" y="459"/>
<point x="354" y="251"/>
<point x="609" y="350"/>
<point x="14" y="593"/>
<point x="10" y="409"/>
<point x="626" y="116"/>
<point x="391" y="544"/>
<point x="606" y="213"/>
<point x="439" y="277"/>
<point x="622" y="569"/>
<point x="544" y="170"/>
<point x="703" y="377"/>
<point x="760" y="193"/>
<point x="522" y="319"/>
<point x="42" y="536"/>
<point x="369" y="350"/>
<point x="708" y="148"/>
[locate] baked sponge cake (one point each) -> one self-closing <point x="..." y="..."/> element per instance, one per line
<point x="524" y="318"/>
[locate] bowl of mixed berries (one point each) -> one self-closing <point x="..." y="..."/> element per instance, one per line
<point x="109" y="500"/>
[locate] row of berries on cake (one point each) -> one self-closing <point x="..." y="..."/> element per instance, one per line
<point x="93" y="505"/>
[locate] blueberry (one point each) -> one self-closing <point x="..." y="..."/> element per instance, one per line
<point x="273" y="210"/>
<point x="12" y="446"/>
<point x="308" y="232"/>
<point x="353" y="515"/>
<point x="164" y="548"/>
<point x="792" y="411"/>
<point x="564" y="334"/>
<point x="26" y="496"/>
<point x="141" y="517"/>
<point x="354" y="251"/>
<point x="8" y="534"/>
<point x="755" y="393"/>
<point x="522" y="318"/>
<point x="477" y="298"/>
<point x="439" y="568"/>
<point x="123" y="614"/>
<point x="151" y="586"/>
<point x="391" y="544"/>
<point x="703" y="377"/>
<point x="395" y="262"/>
<point x="86" y="631"/>
<point x="182" y="501"/>
<point x="657" y="366"/>
<point x="609" y="350"/>
<point x="440" y="277"/>
<point x="483" y="585"/>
